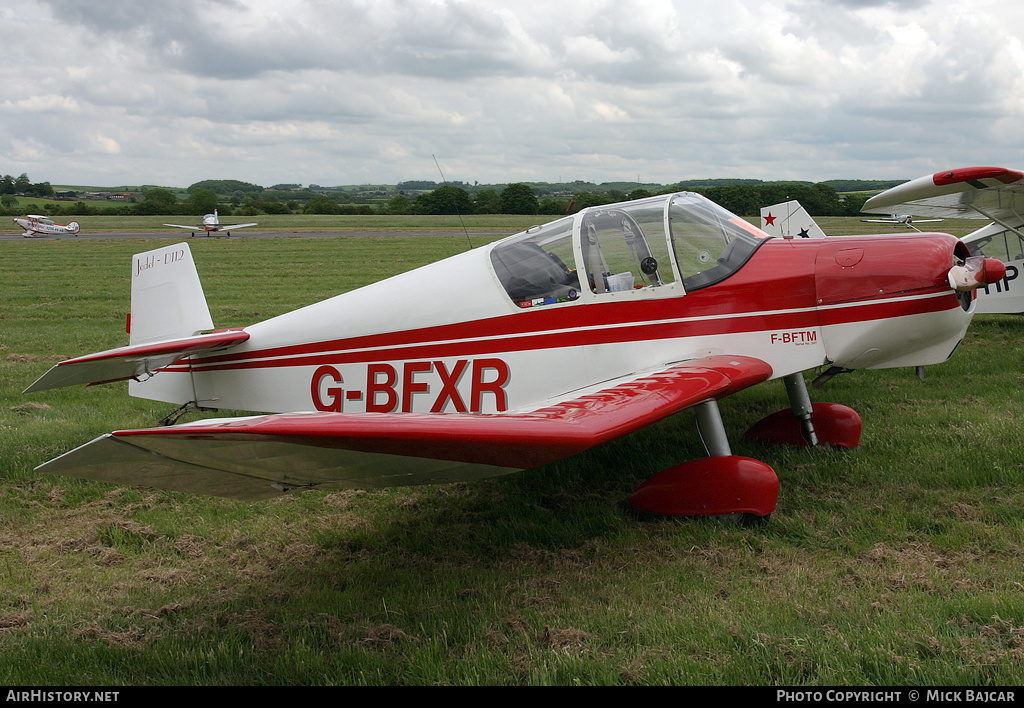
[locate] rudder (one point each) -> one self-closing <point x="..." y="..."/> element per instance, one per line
<point x="167" y="298"/>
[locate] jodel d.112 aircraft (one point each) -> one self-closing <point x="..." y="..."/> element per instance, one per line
<point x="36" y="226"/>
<point x="526" y="351"/>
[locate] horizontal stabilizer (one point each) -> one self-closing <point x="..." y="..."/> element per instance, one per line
<point x="133" y="362"/>
<point x="260" y="456"/>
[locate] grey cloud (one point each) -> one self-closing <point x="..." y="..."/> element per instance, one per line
<point x="369" y="90"/>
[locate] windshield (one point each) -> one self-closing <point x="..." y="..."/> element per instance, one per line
<point x="709" y="243"/>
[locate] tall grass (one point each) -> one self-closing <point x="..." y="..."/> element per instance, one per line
<point x="897" y="563"/>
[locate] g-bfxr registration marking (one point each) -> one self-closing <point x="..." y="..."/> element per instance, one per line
<point x="388" y="389"/>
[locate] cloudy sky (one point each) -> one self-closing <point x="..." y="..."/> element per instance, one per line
<point x="370" y="91"/>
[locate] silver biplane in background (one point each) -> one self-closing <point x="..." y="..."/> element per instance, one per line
<point x="526" y="351"/>
<point x="211" y="224"/>
<point x="37" y="226"/>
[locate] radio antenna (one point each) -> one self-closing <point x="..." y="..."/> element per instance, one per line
<point x="454" y="203"/>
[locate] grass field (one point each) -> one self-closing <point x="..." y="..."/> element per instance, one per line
<point x="897" y="563"/>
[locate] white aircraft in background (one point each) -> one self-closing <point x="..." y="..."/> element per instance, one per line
<point x="36" y="226"/>
<point x="526" y="351"/>
<point x="789" y="220"/>
<point x="210" y="224"/>
<point x="995" y="194"/>
<point x="897" y="219"/>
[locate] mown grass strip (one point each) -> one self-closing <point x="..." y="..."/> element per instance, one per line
<point x="897" y="563"/>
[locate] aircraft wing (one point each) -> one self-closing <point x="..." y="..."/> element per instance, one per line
<point x="133" y="361"/>
<point x="235" y="226"/>
<point x="261" y="456"/>
<point x="991" y="193"/>
<point x="187" y="228"/>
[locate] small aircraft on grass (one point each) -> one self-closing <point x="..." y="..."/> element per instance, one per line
<point x="526" y="351"/>
<point x="37" y="226"/>
<point x="995" y="194"/>
<point x="904" y="219"/>
<point x="211" y="223"/>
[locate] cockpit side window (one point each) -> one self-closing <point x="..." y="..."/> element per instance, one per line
<point x="532" y="266"/>
<point x="1005" y="245"/>
<point x="624" y="247"/>
<point x="710" y="243"/>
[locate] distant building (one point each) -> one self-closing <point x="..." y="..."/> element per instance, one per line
<point x="120" y="196"/>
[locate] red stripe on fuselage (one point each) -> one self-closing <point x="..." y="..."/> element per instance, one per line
<point x="775" y="290"/>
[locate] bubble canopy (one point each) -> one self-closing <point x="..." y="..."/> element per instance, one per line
<point x="664" y="245"/>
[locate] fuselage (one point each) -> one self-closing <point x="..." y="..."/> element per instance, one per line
<point x="461" y="335"/>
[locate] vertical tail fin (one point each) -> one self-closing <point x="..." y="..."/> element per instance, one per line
<point x="789" y="220"/>
<point x="168" y="313"/>
<point x="167" y="297"/>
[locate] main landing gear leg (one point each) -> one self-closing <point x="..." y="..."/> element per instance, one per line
<point x="722" y="484"/>
<point x="800" y="403"/>
<point x="807" y="424"/>
<point x="712" y="430"/>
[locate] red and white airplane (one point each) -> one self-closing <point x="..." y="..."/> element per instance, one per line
<point x="994" y="194"/>
<point x="211" y="223"/>
<point x="36" y="226"/>
<point x="526" y="351"/>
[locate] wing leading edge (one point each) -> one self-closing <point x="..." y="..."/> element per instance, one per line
<point x="992" y="193"/>
<point x="261" y="456"/>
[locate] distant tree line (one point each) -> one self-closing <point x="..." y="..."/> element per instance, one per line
<point x="236" y="198"/>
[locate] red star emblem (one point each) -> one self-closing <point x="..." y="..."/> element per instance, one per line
<point x="769" y="220"/>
